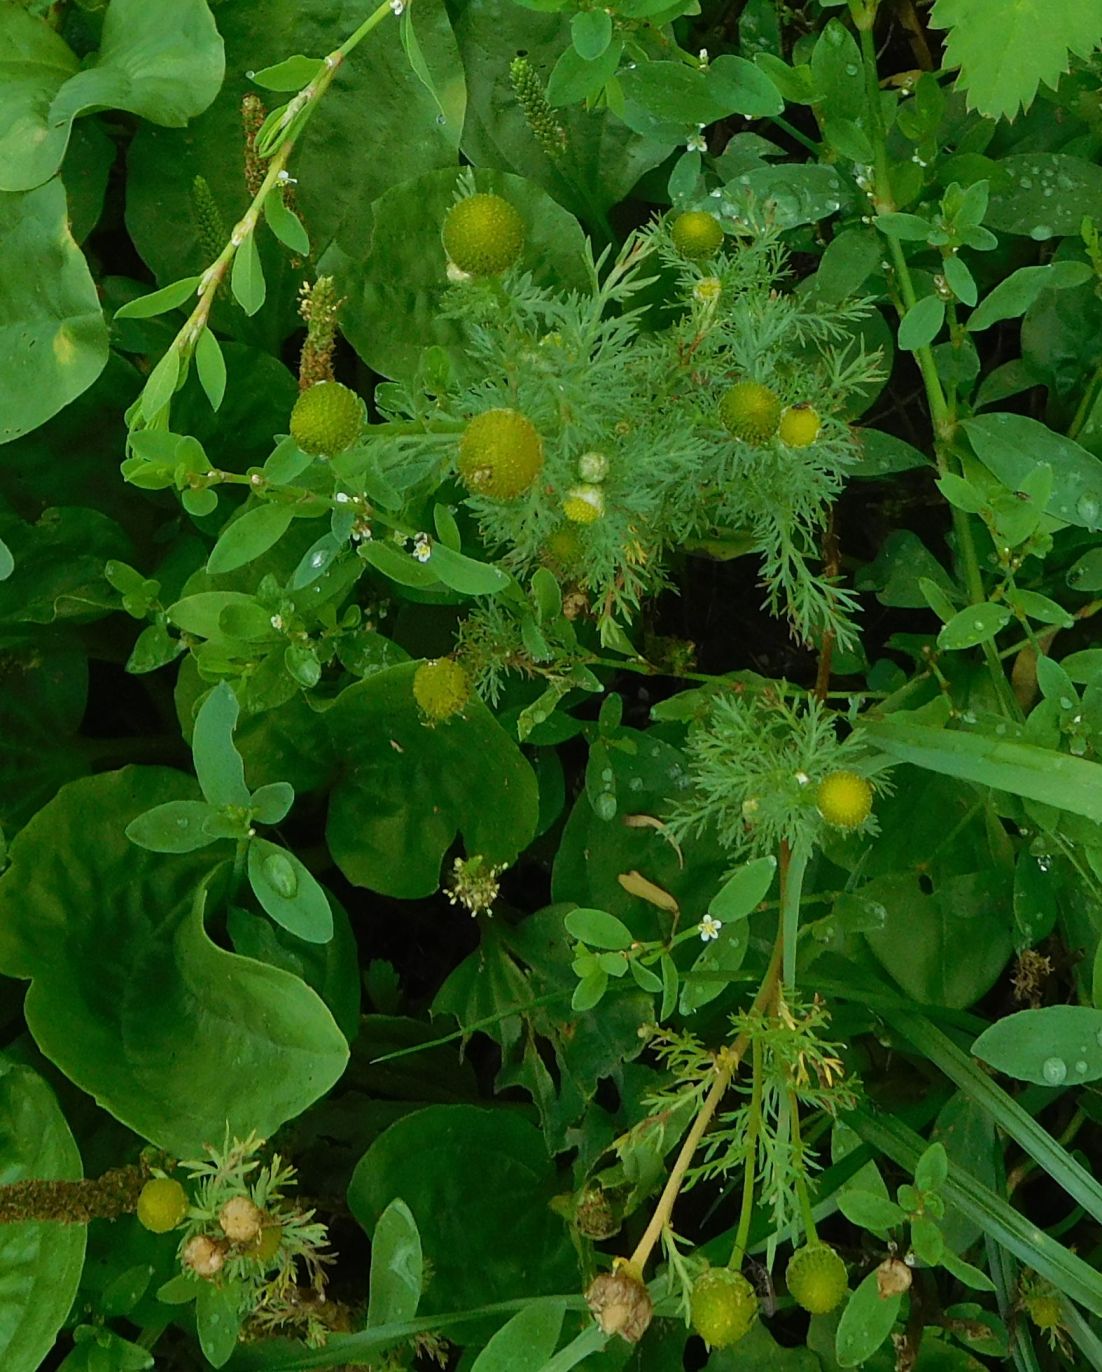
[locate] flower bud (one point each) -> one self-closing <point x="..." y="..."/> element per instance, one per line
<point x="204" y="1256"/>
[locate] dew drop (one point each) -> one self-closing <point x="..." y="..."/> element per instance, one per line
<point x="1098" y="1038"/>
<point x="1081" y="1066"/>
<point x="1054" y="1070"/>
<point x="1064" y="182"/>
<point x="182" y="823"/>
<point x="1087" y="508"/>
<point x="605" y="807"/>
<point x="281" y="876"/>
<point x="318" y="560"/>
<point x="851" y="68"/>
<point x="1065" y="703"/>
<point x="1040" y="232"/>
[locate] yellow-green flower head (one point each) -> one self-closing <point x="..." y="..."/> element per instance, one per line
<point x="724" y="1307"/>
<point x="162" y="1204"/>
<point x="584" y="504"/>
<point x="327" y="419"/>
<point x="799" y="426"/>
<point x="697" y="234"/>
<point x="750" y="411"/>
<point x="441" y="688"/>
<point x="500" y="454"/>
<point x="817" y="1278"/>
<point x="483" y="234"/>
<point x="844" y="799"/>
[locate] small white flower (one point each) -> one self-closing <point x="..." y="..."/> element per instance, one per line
<point x="703" y="59"/>
<point x="709" y="928"/>
<point x="802" y="778"/>
<point x="277" y="621"/>
<point x="422" y="547"/>
<point x="342" y="497"/>
<point x="696" y="141"/>
<point x="397" y="6"/>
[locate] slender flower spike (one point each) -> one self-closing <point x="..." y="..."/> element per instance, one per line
<point x="709" y="928"/>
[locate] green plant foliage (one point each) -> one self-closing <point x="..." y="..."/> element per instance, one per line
<point x="42" y="1261"/>
<point x="52" y="346"/>
<point x="549" y="580"/>
<point x="1036" y="41"/>
<point x="190" y="1002"/>
<point x="480" y="785"/>
<point x="460" y="1223"/>
<point x="161" y="59"/>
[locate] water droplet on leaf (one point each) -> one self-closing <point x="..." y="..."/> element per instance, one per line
<point x="1054" y="1070"/>
<point x="281" y="875"/>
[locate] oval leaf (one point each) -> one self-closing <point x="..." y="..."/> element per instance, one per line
<point x="866" y="1322"/>
<point x="248" y="537"/>
<point x="1052" y="1046"/>
<point x="599" y="929"/>
<point x="396" y="1267"/>
<point x="289" y="893"/>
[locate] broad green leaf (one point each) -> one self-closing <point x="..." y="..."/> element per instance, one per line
<point x="247" y="276"/>
<point x="465" y="574"/>
<point x="248" y="537"/>
<point x="178" y="1039"/>
<point x="42" y="703"/>
<point x="160" y="59"/>
<point x="285" y="223"/>
<point x="1051" y="1046"/>
<point x="1068" y="783"/>
<point x="739" y="894"/>
<point x="53" y="342"/>
<point x="406" y="790"/>
<point x="159" y="302"/>
<point x="606" y="159"/>
<point x="272" y="803"/>
<point x="396" y="1267"/>
<point x="289" y="892"/>
<point x="400" y="566"/>
<point x="742" y="88"/>
<point x="975" y="624"/>
<point x="175" y="827"/>
<point x="41" y="1262"/>
<point x="1012" y="447"/>
<point x="524" y="1344"/>
<point x="289" y="75"/>
<point x="460" y="1218"/>
<point x="395" y="277"/>
<point x="866" y="1322"/>
<point x="922" y="323"/>
<point x="1035" y="41"/>
<point x="218" y="1320"/>
<point x="715" y="965"/>
<point x="161" y="387"/>
<point x="218" y="764"/>
<point x="591" y="32"/>
<point x="210" y="366"/>
<point x="599" y="929"/>
<point x="1015" y="293"/>
<point x="870" y="1211"/>
<point x="1043" y="194"/>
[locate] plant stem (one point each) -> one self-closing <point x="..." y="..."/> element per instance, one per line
<point x="726" y="1064"/>
<point x="303" y="106"/>
<point x="792" y="884"/>
<point x="811" y="1236"/>
<point x="753" y="1127"/>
